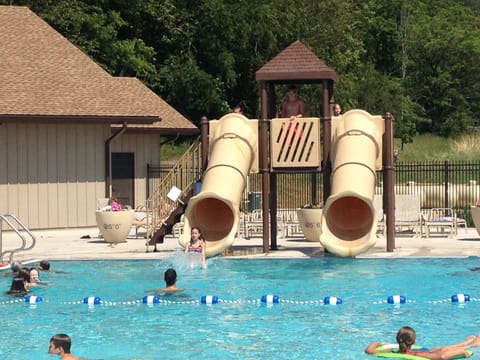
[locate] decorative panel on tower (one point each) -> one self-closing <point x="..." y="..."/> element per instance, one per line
<point x="295" y="142"/>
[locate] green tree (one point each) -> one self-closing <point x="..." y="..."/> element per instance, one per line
<point x="443" y="71"/>
<point x="381" y="80"/>
<point x="96" y="31"/>
<point x="415" y="58"/>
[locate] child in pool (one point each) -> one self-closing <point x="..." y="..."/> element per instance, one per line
<point x="197" y="245"/>
<point x="19" y="287"/>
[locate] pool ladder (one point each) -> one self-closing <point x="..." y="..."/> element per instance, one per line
<point x="16" y="225"/>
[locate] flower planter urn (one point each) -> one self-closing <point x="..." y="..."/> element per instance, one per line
<point x="115" y="225"/>
<point x="476" y="217"/>
<point x="311" y="223"/>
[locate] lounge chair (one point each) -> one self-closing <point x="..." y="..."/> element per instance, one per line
<point x="442" y="221"/>
<point x="408" y="213"/>
<point x="378" y="205"/>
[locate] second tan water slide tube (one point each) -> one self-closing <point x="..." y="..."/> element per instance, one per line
<point x="349" y="222"/>
<point x="215" y="210"/>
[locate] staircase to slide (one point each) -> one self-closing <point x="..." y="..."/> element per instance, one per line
<point x="163" y="210"/>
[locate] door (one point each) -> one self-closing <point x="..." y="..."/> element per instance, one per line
<point x="123" y="178"/>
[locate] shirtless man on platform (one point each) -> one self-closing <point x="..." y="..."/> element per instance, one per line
<point x="293" y="105"/>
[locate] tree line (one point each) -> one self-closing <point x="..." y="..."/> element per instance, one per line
<point x="418" y="59"/>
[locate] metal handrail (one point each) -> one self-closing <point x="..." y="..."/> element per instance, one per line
<point x="15" y="227"/>
<point x="183" y="175"/>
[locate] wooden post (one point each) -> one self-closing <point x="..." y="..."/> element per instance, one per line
<point x="204" y="139"/>
<point x="264" y="166"/>
<point x="327" y="139"/>
<point x="389" y="181"/>
<point x="273" y="195"/>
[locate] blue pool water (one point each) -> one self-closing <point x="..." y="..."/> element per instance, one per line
<point x="241" y="327"/>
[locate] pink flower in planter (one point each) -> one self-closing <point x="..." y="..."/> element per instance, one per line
<point x="116" y="206"/>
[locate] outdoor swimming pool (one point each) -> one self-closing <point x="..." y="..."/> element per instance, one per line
<point x="299" y="327"/>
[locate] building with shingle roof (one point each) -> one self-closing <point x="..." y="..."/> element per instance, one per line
<point x="69" y="131"/>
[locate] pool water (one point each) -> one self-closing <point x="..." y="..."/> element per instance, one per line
<point x="240" y="326"/>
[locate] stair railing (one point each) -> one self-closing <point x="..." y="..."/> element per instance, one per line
<point x="183" y="175"/>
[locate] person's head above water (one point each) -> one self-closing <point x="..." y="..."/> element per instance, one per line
<point x="34" y="276"/>
<point x="44" y="265"/>
<point x="16" y="266"/>
<point x="170" y="277"/>
<point x="18" y="286"/>
<point x="406" y="337"/>
<point x="60" y="344"/>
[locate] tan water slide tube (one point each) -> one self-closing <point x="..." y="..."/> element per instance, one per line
<point x="349" y="222"/>
<point x="215" y="210"/>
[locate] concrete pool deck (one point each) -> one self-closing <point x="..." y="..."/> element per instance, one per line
<point x="84" y="243"/>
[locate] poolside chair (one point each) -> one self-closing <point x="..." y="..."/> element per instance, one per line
<point x="141" y="220"/>
<point x="290" y="222"/>
<point x="442" y="221"/>
<point x="177" y="229"/>
<point x="378" y="205"/>
<point x="102" y="203"/>
<point x="253" y="223"/>
<point x="408" y="213"/>
<point x="459" y="222"/>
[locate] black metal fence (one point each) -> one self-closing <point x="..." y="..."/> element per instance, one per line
<point x="454" y="184"/>
<point x="451" y="184"/>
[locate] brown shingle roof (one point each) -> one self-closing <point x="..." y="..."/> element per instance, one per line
<point x="152" y="103"/>
<point x="296" y="62"/>
<point x="44" y="77"/>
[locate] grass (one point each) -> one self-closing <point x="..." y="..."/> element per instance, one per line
<point x="173" y="151"/>
<point x="434" y="148"/>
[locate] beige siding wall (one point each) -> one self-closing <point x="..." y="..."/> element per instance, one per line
<point x="51" y="175"/>
<point x="147" y="151"/>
